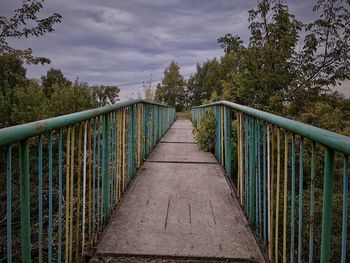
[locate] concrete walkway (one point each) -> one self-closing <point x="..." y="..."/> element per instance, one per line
<point x="180" y="205"/>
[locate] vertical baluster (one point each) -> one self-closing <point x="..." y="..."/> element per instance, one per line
<point x="49" y="241"/>
<point x="98" y="162"/>
<point x="139" y="158"/>
<point x="84" y="189"/>
<point x="222" y="128"/>
<point x="252" y="172"/>
<point x="40" y="197"/>
<point x="259" y="178"/>
<point x="293" y="202"/>
<point x="300" y="225"/>
<point x="112" y="163"/>
<point x="264" y="184"/>
<point x="71" y="210"/>
<point x="143" y="131"/>
<point x="66" y="258"/>
<point x="90" y="182"/>
<point x="345" y="208"/>
<point x="25" y="200"/>
<point x="130" y="143"/>
<point x="285" y="204"/>
<point x="146" y="130"/>
<point x="327" y="205"/>
<point x="94" y="179"/>
<point x="241" y="156"/>
<point x="228" y="150"/>
<point x="120" y="144"/>
<point x="136" y="111"/>
<point x="278" y="191"/>
<point x="78" y="203"/>
<point x="153" y="121"/>
<point x="60" y="173"/>
<point x="9" y="203"/>
<point x="238" y="156"/>
<point x="312" y="203"/>
<point x="124" y="151"/>
<point x="256" y="181"/>
<point x="105" y="169"/>
<point x="115" y="150"/>
<point x="247" y="152"/>
<point x="272" y="186"/>
<point x="218" y="133"/>
<point x="269" y="192"/>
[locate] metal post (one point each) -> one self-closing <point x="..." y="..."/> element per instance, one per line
<point x="105" y="169"/>
<point x="252" y="172"/>
<point x="327" y="205"/>
<point x="25" y="200"/>
<point x="228" y="159"/>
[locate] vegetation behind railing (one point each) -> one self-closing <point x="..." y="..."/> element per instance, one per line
<point x="63" y="177"/>
<point x="292" y="213"/>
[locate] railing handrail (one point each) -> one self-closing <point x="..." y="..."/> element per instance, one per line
<point x="20" y="132"/>
<point x="327" y="138"/>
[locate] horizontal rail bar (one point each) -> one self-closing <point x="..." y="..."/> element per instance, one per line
<point x="329" y="139"/>
<point x="20" y="132"/>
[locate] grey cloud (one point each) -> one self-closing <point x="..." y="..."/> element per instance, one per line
<point x="120" y="42"/>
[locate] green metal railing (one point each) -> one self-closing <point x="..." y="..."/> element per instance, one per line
<point x="61" y="178"/>
<point x="249" y="144"/>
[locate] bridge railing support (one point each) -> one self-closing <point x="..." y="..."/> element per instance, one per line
<point x="62" y="177"/>
<point x="296" y="216"/>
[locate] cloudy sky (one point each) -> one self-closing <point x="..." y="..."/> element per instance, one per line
<point x="123" y="43"/>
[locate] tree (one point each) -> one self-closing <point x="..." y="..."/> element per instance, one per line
<point x="324" y="58"/>
<point x="105" y="95"/>
<point x="25" y="23"/>
<point x="12" y="74"/>
<point x="29" y="103"/>
<point x="171" y="89"/>
<point x="230" y="43"/>
<point x="208" y="78"/>
<point x="262" y="72"/>
<point x="77" y="96"/>
<point x="54" y="77"/>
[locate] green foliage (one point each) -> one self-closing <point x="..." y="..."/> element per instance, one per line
<point x="76" y="96"/>
<point x="29" y="103"/>
<point x="105" y="95"/>
<point x="204" y="82"/>
<point x="205" y="131"/>
<point x="25" y="23"/>
<point x="23" y="100"/>
<point x="263" y="69"/>
<point x="171" y="89"/>
<point x="53" y="77"/>
<point x="230" y="43"/>
<point x="12" y="73"/>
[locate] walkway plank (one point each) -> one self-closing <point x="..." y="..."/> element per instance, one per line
<point x="180" y="205"/>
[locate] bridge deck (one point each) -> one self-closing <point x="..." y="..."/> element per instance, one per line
<point x="180" y="204"/>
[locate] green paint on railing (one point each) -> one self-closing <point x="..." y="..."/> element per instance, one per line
<point x="25" y="200"/>
<point x="327" y="205"/>
<point x="259" y="209"/>
<point x="329" y="139"/>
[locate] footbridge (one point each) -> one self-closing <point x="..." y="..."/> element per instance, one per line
<point x="128" y="183"/>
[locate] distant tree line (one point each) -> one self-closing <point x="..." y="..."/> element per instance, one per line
<point x="24" y="100"/>
<point x="288" y="67"/>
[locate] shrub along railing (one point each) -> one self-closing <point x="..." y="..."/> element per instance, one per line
<point x="61" y="178"/>
<point x="266" y="180"/>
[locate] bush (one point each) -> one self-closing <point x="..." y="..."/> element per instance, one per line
<point x="205" y="131"/>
